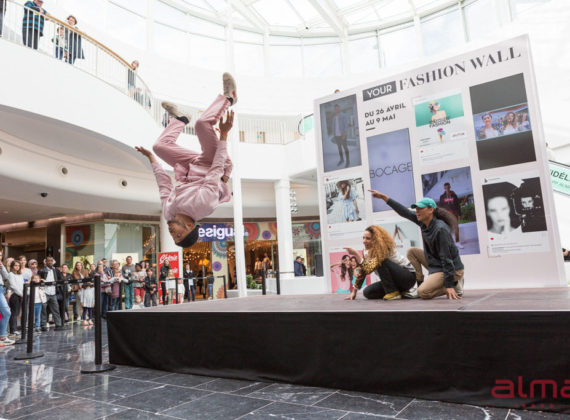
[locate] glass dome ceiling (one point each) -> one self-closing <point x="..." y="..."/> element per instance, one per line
<point x="313" y="17"/>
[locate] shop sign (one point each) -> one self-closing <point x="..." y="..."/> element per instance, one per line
<point x="560" y="177"/>
<point x="211" y="232"/>
<point x="174" y="263"/>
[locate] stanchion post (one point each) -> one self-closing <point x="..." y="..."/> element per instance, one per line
<point x="98" y="366"/>
<point x="29" y="354"/>
<point x="162" y="292"/>
<point x="177" y="291"/>
<point x="278" y="283"/>
<point x="263" y="283"/>
<point x="225" y="287"/>
<point x="24" y="318"/>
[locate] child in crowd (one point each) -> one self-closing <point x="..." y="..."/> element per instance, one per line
<point x="170" y="287"/>
<point x="116" y="281"/>
<point x="181" y="291"/>
<point x="151" y="286"/>
<point x="39" y="299"/>
<point x="139" y="276"/>
<point x="87" y="301"/>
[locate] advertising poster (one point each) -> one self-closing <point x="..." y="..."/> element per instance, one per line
<point x="560" y="177"/>
<point x="340" y="135"/>
<point x="452" y="190"/>
<point x="441" y="127"/>
<point x="502" y="123"/>
<point x="390" y="163"/>
<point x="464" y="130"/>
<point x="342" y="268"/>
<point x="514" y="208"/>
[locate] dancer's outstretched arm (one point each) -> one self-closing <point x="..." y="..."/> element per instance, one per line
<point x="162" y="179"/>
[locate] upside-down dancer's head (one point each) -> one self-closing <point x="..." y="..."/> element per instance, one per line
<point x="183" y="230"/>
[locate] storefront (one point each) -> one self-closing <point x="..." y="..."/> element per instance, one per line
<point x="111" y="239"/>
<point x="215" y="250"/>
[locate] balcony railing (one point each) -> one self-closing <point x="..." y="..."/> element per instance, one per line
<point x="55" y="38"/>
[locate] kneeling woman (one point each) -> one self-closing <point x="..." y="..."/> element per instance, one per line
<point x="396" y="273"/>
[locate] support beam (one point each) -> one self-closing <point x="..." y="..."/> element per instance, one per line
<point x="326" y="10"/>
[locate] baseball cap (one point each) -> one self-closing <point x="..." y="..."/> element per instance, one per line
<point x="424" y="202"/>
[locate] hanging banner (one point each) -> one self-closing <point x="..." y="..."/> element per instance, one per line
<point x="464" y="131"/>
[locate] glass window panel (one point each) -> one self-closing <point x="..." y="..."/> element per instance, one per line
<point x="393" y="9"/>
<point x="442" y="32"/>
<point x="170" y="43"/>
<point x="286" y="61"/>
<point x="203" y="27"/>
<point x="247" y="36"/>
<point x="399" y="46"/>
<point x="277" y="12"/>
<point x="363" y="55"/>
<point x="520" y="6"/>
<point x="207" y="52"/>
<point x="284" y="40"/>
<point x="249" y="59"/>
<point x="127" y="26"/>
<point x="198" y="3"/>
<point x="170" y="15"/>
<point x="136" y="6"/>
<point x="217" y="5"/>
<point x="481" y="18"/>
<point x="362" y="15"/>
<point x="305" y="9"/>
<point x="322" y="60"/>
<point x="343" y="4"/>
<point x="92" y="11"/>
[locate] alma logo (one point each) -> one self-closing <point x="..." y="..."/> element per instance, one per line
<point x="538" y="388"/>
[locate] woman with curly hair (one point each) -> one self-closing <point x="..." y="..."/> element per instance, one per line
<point x="396" y="273"/>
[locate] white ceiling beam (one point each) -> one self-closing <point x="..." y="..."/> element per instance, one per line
<point x="330" y="16"/>
<point x="249" y="15"/>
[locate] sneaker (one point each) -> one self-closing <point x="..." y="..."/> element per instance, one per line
<point x="38" y="330"/>
<point x="392" y="296"/>
<point x="6" y="342"/>
<point x="411" y="294"/>
<point x="44" y="328"/>
<point x="60" y="328"/>
<point x="176" y="111"/>
<point x="230" y="87"/>
<point x="90" y="322"/>
<point x="85" y="323"/>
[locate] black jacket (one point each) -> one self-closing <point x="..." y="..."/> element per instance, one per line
<point x="163" y="272"/>
<point x="440" y="250"/>
<point x="149" y="282"/>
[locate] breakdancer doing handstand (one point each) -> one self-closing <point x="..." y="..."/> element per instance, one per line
<point x="202" y="177"/>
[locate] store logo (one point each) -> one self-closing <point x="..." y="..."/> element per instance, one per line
<point x="170" y="256"/>
<point x="378" y="91"/>
<point x="216" y="232"/>
<point x="545" y="389"/>
<point x="391" y="170"/>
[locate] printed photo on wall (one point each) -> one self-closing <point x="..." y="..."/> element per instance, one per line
<point x="346" y="212"/>
<point x="390" y="163"/>
<point x="501" y="122"/>
<point x="405" y="233"/>
<point x="515" y="217"/>
<point x="340" y="135"/>
<point x="441" y="127"/>
<point x="452" y="190"/>
<point x="343" y="270"/>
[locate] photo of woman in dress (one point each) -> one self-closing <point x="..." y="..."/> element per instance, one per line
<point x="343" y="272"/>
<point x="347" y="196"/>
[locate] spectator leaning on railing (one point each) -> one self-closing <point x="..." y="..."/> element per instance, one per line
<point x="73" y="40"/>
<point x="33" y="23"/>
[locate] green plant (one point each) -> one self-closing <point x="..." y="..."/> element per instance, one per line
<point x="467" y="213"/>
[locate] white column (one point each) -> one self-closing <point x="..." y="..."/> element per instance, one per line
<point x="167" y="244"/>
<point x="239" y="231"/>
<point x="284" y="227"/>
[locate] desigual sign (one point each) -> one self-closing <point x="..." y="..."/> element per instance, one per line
<point x="209" y="232"/>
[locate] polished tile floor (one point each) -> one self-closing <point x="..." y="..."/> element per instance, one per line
<point x="52" y="387"/>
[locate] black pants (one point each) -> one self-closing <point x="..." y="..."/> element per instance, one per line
<point x="31" y="37"/>
<point x="164" y="294"/>
<point x="53" y="306"/>
<point x="15" y="304"/>
<point x="393" y="278"/>
<point x="341" y="144"/>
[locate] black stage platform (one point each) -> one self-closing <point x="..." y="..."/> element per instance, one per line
<point x="471" y="351"/>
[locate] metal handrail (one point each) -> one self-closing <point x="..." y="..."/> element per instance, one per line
<point x="51" y="36"/>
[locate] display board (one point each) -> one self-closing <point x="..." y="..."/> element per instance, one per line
<point x="465" y="131"/>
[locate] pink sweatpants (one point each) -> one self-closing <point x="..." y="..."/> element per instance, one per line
<point x="166" y="148"/>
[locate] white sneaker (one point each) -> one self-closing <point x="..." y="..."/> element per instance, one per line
<point x="6" y="342"/>
<point x="176" y="110"/>
<point x="458" y="245"/>
<point x="230" y="87"/>
<point x="411" y="294"/>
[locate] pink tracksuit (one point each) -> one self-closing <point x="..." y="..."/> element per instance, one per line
<point x="200" y="188"/>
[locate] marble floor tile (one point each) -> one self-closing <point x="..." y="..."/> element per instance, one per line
<point x="364" y="403"/>
<point x="226" y="385"/>
<point x="78" y="382"/>
<point x="286" y="411"/>
<point x="217" y="406"/>
<point x="77" y="410"/>
<point x="130" y="372"/>
<point x="20" y="401"/>
<point x="535" y="415"/>
<point x="434" y="410"/>
<point x="255" y="386"/>
<point x="115" y="390"/>
<point x="161" y="398"/>
<point x="181" y="379"/>
<point x="134" y="414"/>
<point x="293" y="394"/>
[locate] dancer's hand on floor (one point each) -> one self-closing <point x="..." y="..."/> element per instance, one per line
<point x="352" y="295"/>
<point x="146" y="152"/>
